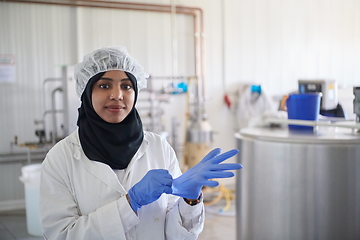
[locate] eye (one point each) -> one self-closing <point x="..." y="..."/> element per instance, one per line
<point x="104" y="86"/>
<point x="126" y="86"/>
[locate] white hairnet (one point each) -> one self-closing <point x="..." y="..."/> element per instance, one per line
<point x="104" y="59"/>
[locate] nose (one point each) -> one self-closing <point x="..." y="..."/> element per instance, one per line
<point x="117" y="94"/>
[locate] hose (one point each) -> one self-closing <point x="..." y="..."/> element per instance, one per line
<point x="223" y="193"/>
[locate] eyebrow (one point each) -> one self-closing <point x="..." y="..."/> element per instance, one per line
<point x="110" y="79"/>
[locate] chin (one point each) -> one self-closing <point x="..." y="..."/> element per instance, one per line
<point x="113" y="120"/>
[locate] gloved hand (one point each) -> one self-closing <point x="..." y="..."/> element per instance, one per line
<point x="150" y="188"/>
<point x="189" y="184"/>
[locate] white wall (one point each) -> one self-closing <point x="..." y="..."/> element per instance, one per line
<point x="278" y="42"/>
<point x="272" y="43"/>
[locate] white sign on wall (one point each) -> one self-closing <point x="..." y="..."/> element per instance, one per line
<point x="7" y="68"/>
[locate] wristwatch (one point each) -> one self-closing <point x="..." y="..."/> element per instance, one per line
<point x="193" y="202"/>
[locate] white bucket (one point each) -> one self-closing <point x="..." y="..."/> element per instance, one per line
<point x="31" y="178"/>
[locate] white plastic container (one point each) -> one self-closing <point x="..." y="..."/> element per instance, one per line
<point x="31" y="179"/>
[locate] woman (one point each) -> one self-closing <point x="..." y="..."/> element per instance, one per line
<point x="110" y="179"/>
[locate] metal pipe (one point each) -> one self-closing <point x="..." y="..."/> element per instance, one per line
<point x="199" y="33"/>
<point x="47" y="80"/>
<point x="175" y="143"/>
<point x="174" y="39"/>
<point x="223" y="37"/>
<point x="36" y="155"/>
<point x="54" y="135"/>
<point x="51" y="111"/>
<point x="170" y="78"/>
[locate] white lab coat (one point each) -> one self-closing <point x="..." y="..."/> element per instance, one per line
<point x="83" y="199"/>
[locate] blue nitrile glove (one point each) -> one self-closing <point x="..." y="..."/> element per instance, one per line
<point x="190" y="183"/>
<point x="150" y="188"/>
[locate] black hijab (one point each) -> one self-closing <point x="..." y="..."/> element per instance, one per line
<point x="111" y="143"/>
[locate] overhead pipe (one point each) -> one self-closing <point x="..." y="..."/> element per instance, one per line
<point x="196" y="12"/>
<point x="174" y="39"/>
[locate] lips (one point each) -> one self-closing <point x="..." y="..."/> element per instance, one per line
<point x="115" y="108"/>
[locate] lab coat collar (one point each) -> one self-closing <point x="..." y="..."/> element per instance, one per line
<point x="102" y="171"/>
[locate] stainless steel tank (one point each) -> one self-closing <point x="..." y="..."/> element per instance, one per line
<point x="198" y="142"/>
<point x="298" y="186"/>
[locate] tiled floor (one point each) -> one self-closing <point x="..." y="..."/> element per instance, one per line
<point x="218" y="225"/>
<point x="13" y="226"/>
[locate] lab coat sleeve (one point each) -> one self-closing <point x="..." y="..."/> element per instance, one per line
<point x="60" y="216"/>
<point x="189" y="221"/>
<point x="192" y="216"/>
<point x="128" y="217"/>
<point x="183" y="222"/>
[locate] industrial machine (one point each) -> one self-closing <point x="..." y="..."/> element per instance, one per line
<point x="328" y="88"/>
<point x="357" y="103"/>
<point x="198" y="141"/>
<point x="58" y="120"/>
<point x="199" y="134"/>
<point x="329" y="105"/>
<point x="60" y="108"/>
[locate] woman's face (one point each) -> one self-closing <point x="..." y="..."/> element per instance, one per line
<point x="113" y="96"/>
